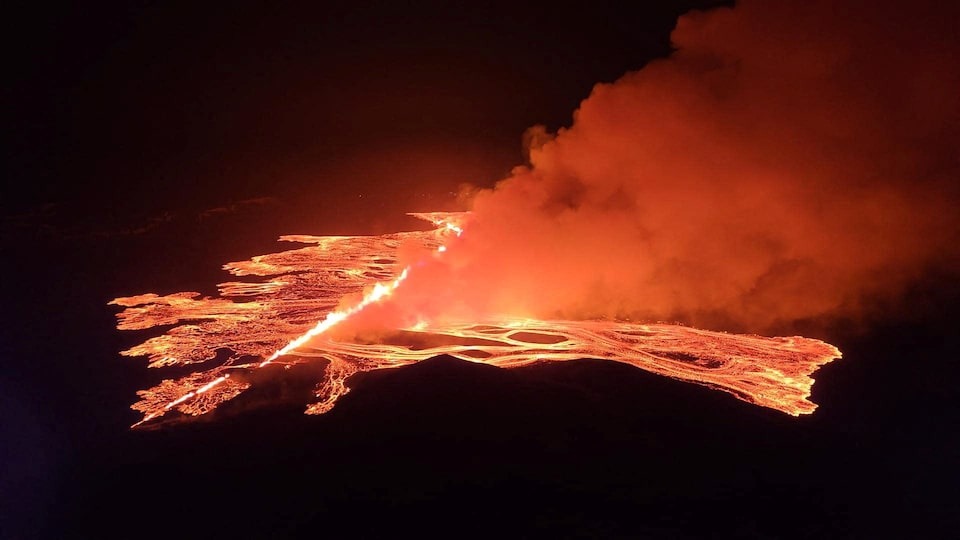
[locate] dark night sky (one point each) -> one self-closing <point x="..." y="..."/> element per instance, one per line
<point x="153" y="106"/>
<point x="123" y="124"/>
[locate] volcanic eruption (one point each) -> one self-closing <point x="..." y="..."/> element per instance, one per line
<point x="744" y="183"/>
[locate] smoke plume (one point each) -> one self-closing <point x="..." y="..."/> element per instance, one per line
<point x="789" y="161"/>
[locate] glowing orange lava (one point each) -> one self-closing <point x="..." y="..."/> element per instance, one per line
<point x="274" y="321"/>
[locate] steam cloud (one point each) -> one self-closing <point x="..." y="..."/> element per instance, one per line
<point x="789" y="161"/>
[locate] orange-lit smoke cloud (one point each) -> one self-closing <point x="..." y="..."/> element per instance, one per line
<point x="789" y="161"/>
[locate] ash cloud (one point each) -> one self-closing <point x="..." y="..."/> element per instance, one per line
<point x="789" y="161"/>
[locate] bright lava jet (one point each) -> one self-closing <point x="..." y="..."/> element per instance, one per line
<point x="274" y="321"/>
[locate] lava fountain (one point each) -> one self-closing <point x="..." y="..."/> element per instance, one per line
<point x="273" y="320"/>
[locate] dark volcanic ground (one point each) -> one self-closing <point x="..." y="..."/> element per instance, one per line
<point x="583" y="449"/>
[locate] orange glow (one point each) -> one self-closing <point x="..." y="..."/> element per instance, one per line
<point x="379" y="292"/>
<point x="273" y="321"/>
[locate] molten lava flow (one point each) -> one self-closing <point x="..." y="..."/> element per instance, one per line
<point x="273" y="321"/>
